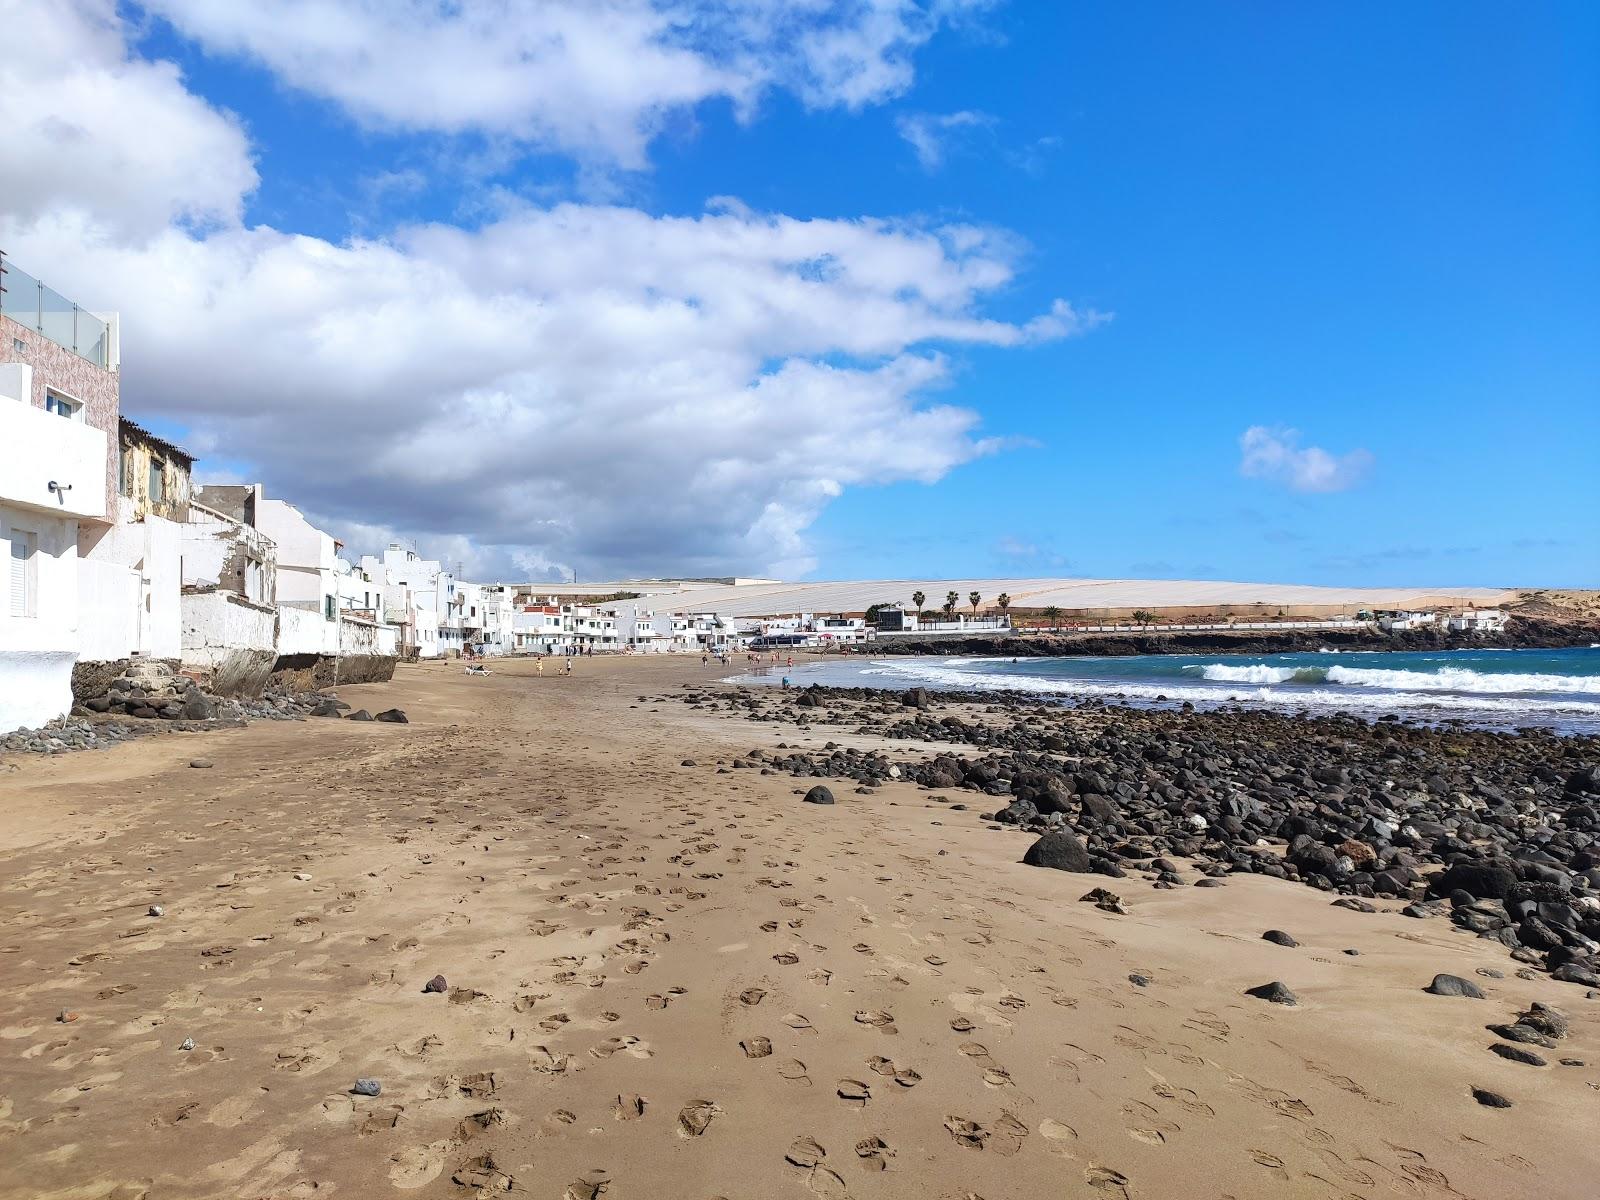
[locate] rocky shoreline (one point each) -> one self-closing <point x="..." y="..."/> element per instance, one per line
<point x="150" y="698"/>
<point x="1495" y="832"/>
<point x="1521" y="633"/>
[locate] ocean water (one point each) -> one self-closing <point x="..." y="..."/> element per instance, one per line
<point x="1558" y="689"/>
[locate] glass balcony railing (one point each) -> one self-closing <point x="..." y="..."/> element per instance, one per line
<point x="27" y="301"/>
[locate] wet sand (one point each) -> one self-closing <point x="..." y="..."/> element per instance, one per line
<point x="666" y="981"/>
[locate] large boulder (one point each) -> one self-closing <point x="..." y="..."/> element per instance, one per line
<point x="916" y="698"/>
<point x="197" y="706"/>
<point x="395" y="716"/>
<point x="819" y="795"/>
<point x="1059" y="852"/>
<point x="1483" y="881"/>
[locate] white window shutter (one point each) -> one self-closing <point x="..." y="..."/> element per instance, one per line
<point x="19" y="574"/>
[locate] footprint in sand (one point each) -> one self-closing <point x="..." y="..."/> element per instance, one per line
<point x="695" y="1118"/>
<point x="1113" y="1183"/>
<point x="1008" y="1135"/>
<point x="417" y="1166"/>
<point x="874" y="1153"/>
<point x="380" y="1120"/>
<point x="756" y="1047"/>
<point x="794" y="1071"/>
<point x="591" y="1186"/>
<point x="855" y="1092"/>
<point x="629" y="1108"/>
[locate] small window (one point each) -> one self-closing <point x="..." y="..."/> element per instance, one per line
<point x="63" y="406"/>
<point x="156" y="481"/>
<point x="327" y="607"/>
<point x="24" y="573"/>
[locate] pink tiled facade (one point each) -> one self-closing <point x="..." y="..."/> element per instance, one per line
<point x="58" y="369"/>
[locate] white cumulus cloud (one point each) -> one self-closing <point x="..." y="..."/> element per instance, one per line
<point x="575" y="385"/>
<point x="1275" y="454"/>
<point x="83" y="119"/>
<point x="929" y="134"/>
<point x="595" y="77"/>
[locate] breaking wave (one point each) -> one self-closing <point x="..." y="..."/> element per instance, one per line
<point x="1446" y="679"/>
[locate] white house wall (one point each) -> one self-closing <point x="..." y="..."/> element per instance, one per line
<point x="37" y="652"/>
<point x="233" y="644"/>
<point x="150" y="553"/>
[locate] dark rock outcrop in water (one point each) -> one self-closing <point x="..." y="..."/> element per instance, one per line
<point x="1520" y="633"/>
<point x="1497" y="832"/>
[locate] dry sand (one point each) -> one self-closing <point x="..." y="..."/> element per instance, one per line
<point x="624" y="938"/>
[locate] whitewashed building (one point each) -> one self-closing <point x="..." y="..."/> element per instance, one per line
<point x="1400" y="620"/>
<point x="59" y="406"/>
<point x="536" y="628"/>
<point x="1476" y="620"/>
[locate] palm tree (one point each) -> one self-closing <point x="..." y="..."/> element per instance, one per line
<point x="919" y="600"/>
<point x="1053" y="615"/>
<point x="972" y="599"/>
<point x="1004" y="602"/>
<point x="1143" y="616"/>
<point x="950" y="602"/>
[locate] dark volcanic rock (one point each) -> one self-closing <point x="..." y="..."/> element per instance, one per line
<point x="197" y="706"/>
<point x="1274" y="993"/>
<point x="1483" y="881"/>
<point x="360" y="714"/>
<point x="1059" y="852"/>
<point x="395" y="716"/>
<point x="819" y="795"/>
<point x="1454" y="985"/>
<point x="1279" y="937"/>
<point x="1490" y="1099"/>
<point x="1518" y="1054"/>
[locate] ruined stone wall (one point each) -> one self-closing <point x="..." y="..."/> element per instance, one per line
<point x="311" y="672"/>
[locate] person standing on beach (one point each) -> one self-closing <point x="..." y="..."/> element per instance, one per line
<point x="541" y="666"/>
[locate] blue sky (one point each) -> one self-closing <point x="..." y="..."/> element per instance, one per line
<point x="1369" y="232"/>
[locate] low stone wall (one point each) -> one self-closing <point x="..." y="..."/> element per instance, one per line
<point x="311" y="672"/>
<point x="91" y="679"/>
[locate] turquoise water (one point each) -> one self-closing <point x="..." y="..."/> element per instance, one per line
<point x="1498" y="688"/>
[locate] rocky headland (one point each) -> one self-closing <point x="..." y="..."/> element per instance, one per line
<point x="1521" y="633"/>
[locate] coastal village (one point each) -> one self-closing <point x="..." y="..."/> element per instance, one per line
<point x="118" y="559"/>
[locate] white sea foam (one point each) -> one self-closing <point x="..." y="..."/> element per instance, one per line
<point x="1175" y="690"/>
<point x="1461" y="679"/>
<point x="1250" y="673"/>
<point x="1444" y="679"/>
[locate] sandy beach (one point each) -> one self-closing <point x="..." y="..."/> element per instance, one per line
<point x="668" y="978"/>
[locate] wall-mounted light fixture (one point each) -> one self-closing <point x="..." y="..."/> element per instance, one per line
<point x="60" y="489"/>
